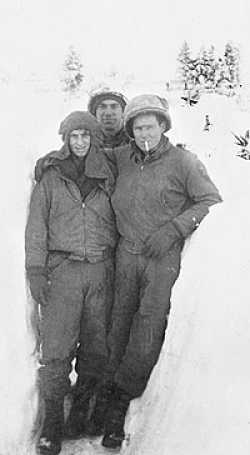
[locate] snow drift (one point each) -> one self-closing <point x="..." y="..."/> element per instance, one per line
<point x="197" y="399"/>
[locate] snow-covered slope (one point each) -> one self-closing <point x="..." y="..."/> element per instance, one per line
<point x="197" y="398"/>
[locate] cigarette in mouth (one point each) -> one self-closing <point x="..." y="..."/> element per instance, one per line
<point x="146" y="146"/>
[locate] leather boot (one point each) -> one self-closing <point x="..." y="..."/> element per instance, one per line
<point x="50" y="440"/>
<point x="80" y="411"/>
<point x="103" y="397"/>
<point x="115" y="419"/>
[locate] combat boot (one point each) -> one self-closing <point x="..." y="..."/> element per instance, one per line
<point x="103" y="397"/>
<point x="80" y="411"/>
<point x="115" y="419"/>
<point x="50" y="440"/>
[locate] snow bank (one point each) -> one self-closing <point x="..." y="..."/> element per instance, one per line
<point x="196" y="401"/>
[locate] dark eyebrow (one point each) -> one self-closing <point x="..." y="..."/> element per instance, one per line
<point x="111" y="104"/>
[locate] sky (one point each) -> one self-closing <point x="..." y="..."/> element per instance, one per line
<point x="132" y="36"/>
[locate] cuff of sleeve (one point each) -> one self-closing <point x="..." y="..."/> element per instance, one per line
<point x="177" y="228"/>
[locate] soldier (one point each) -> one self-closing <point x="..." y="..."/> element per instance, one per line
<point x="162" y="194"/>
<point x="108" y="108"/>
<point x="70" y="241"/>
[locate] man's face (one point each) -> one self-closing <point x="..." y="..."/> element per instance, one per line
<point x="146" y="128"/>
<point x="79" y="142"/>
<point x="109" y="114"/>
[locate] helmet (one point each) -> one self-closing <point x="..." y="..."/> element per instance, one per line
<point x="103" y="94"/>
<point x="146" y="104"/>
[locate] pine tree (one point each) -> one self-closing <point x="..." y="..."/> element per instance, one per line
<point x="211" y="77"/>
<point x="72" y="68"/>
<point x="232" y="58"/>
<point x="185" y="62"/>
<point x="207" y="67"/>
<point x="200" y="67"/>
<point x="195" y="71"/>
<point x="221" y="73"/>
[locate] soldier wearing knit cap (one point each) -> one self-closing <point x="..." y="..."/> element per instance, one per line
<point x="69" y="243"/>
<point x="108" y="108"/>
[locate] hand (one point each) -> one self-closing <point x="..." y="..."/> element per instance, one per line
<point x="160" y="242"/>
<point x="39" y="285"/>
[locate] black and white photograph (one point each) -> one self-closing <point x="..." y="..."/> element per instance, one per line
<point x="125" y="227"/>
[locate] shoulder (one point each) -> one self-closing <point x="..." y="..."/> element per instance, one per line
<point x="48" y="178"/>
<point x="183" y="155"/>
<point x="118" y="154"/>
<point x="44" y="163"/>
<point x="44" y="188"/>
<point x="185" y="162"/>
<point x="122" y="151"/>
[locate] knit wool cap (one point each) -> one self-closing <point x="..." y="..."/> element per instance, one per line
<point x="79" y="120"/>
<point x="146" y="104"/>
<point x="97" y="98"/>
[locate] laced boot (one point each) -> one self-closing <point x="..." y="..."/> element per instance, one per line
<point x="115" y="419"/>
<point x="95" y="425"/>
<point x="50" y="440"/>
<point x="80" y="410"/>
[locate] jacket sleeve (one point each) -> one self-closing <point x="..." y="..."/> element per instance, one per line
<point x="36" y="232"/>
<point x="202" y="194"/>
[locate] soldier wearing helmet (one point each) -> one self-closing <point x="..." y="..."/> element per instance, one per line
<point x="108" y="108"/>
<point x="162" y="194"/>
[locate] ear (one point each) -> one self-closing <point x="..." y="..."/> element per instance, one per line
<point x="163" y="126"/>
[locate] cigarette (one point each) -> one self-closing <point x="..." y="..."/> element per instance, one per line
<point x="146" y="146"/>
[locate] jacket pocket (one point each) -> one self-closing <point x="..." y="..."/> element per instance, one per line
<point x="171" y="200"/>
<point x="55" y="259"/>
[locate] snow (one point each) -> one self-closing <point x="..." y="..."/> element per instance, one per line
<point x="196" y="401"/>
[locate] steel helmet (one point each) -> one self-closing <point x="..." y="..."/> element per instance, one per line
<point x="146" y="104"/>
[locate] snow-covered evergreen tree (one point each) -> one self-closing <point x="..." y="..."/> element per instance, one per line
<point x="185" y="65"/>
<point x="232" y="61"/>
<point x="209" y="72"/>
<point x="206" y="68"/>
<point x="194" y="71"/>
<point x="212" y="64"/>
<point x="72" y="68"/>
<point x="221" y="73"/>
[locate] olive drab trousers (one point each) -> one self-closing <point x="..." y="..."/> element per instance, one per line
<point x="78" y="311"/>
<point x="139" y="317"/>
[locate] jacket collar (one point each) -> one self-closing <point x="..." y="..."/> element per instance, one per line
<point x="140" y="157"/>
<point x="118" y="139"/>
<point x="95" y="163"/>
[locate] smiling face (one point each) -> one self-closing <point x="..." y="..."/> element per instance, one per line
<point x="79" y="142"/>
<point x="147" y="128"/>
<point x="109" y="114"/>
